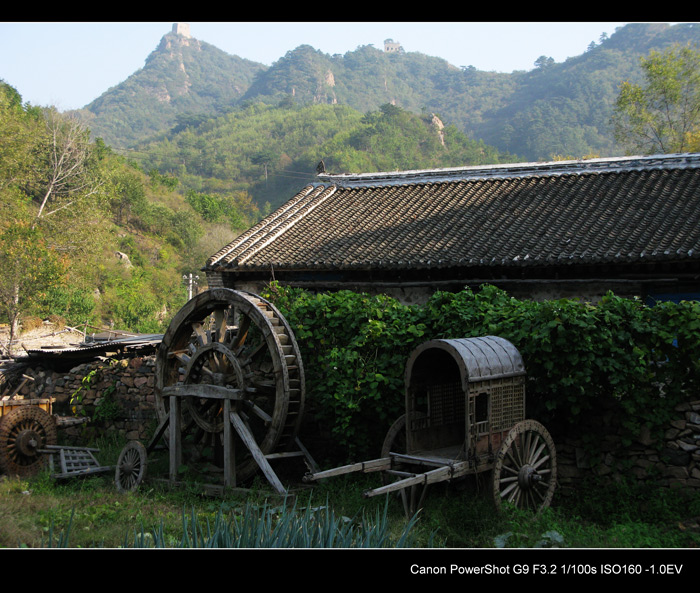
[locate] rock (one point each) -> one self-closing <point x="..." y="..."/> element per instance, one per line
<point x="124" y="259"/>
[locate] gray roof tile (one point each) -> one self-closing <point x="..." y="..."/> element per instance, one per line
<point x="597" y="211"/>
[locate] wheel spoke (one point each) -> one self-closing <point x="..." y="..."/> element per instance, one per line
<point x="536" y="454"/>
<point x="509" y="480"/>
<point x="512" y="458"/>
<point x="544" y="459"/>
<point x="219" y="319"/>
<point x="511" y="488"/>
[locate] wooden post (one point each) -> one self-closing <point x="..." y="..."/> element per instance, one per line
<point x="255" y="451"/>
<point x="175" y="440"/>
<point x="229" y="448"/>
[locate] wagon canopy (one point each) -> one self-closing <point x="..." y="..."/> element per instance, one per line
<point x="463" y="395"/>
<point x="478" y="359"/>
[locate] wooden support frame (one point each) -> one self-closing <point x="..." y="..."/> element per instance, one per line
<point x="255" y="451"/>
<point x="175" y="441"/>
<point x="234" y="425"/>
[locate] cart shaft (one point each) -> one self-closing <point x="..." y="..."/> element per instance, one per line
<point x="375" y="465"/>
<point x="440" y="474"/>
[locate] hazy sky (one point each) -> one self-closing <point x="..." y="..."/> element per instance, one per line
<point x="69" y="64"/>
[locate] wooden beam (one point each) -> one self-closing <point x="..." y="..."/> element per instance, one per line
<point x="376" y="465"/>
<point x="203" y="390"/>
<point x="175" y="437"/>
<point x="258" y="455"/>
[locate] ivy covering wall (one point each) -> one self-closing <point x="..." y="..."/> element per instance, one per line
<point x="579" y="357"/>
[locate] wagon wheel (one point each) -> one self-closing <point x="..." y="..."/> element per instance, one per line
<point x="131" y="467"/>
<point x="237" y="341"/>
<point x="525" y="472"/>
<point x="23" y="433"/>
<point x="396" y="441"/>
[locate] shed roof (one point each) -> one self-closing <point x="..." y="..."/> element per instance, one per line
<point x="617" y="210"/>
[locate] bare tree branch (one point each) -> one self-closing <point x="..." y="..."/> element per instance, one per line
<point x="68" y="167"/>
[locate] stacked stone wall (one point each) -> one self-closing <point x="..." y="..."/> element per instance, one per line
<point x="670" y="458"/>
<point x="117" y="395"/>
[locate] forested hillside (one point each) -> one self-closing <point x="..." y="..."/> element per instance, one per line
<point x="182" y="79"/>
<point x="109" y="245"/>
<point x="269" y="152"/>
<point x="87" y="237"/>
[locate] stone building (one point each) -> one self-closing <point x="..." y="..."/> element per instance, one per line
<point x="181" y="29"/>
<point x="392" y="47"/>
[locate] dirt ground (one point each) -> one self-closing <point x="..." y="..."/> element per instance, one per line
<point x="47" y="335"/>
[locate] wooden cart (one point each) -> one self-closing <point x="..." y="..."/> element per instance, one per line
<point x="465" y="414"/>
<point x="28" y="436"/>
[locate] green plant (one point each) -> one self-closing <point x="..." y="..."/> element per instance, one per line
<point x="354" y="347"/>
<point x="62" y="538"/>
<point x="108" y="407"/>
<point x="253" y="526"/>
<point x="76" y="398"/>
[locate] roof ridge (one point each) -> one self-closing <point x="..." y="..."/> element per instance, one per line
<point x="252" y="231"/>
<point x="287" y="218"/>
<point x="510" y="170"/>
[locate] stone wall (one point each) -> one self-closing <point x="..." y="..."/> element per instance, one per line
<point x="671" y="460"/>
<point x="117" y="394"/>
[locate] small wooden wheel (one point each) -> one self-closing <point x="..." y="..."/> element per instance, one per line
<point x="24" y="431"/>
<point x="396" y="441"/>
<point x="131" y="467"/>
<point x="525" y="473"/>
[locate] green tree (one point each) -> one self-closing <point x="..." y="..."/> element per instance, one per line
<point x="267" y="157"/>
<point x="29" y="269"/>
<point x="663" y="114"/>
<point x="128" y="195"/>
<point x="19" y="130"/>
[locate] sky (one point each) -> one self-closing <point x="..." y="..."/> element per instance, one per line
<point x="69" y="64"/>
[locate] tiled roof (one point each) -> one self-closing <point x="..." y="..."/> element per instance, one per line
<point x="597" y="211"/>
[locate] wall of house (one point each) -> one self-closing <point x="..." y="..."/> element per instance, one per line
<point x="414" y="294"/>
<point x="673" y="462"/>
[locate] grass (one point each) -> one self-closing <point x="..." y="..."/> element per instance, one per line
<point x="89" y="513"/>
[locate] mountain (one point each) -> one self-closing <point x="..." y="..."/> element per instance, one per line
<point x="555" y="109"/>
<point x="558" y="109"/>
<point x="182" y="79"/>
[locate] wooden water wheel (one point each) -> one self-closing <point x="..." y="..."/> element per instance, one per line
<point x="224" y="341"/>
